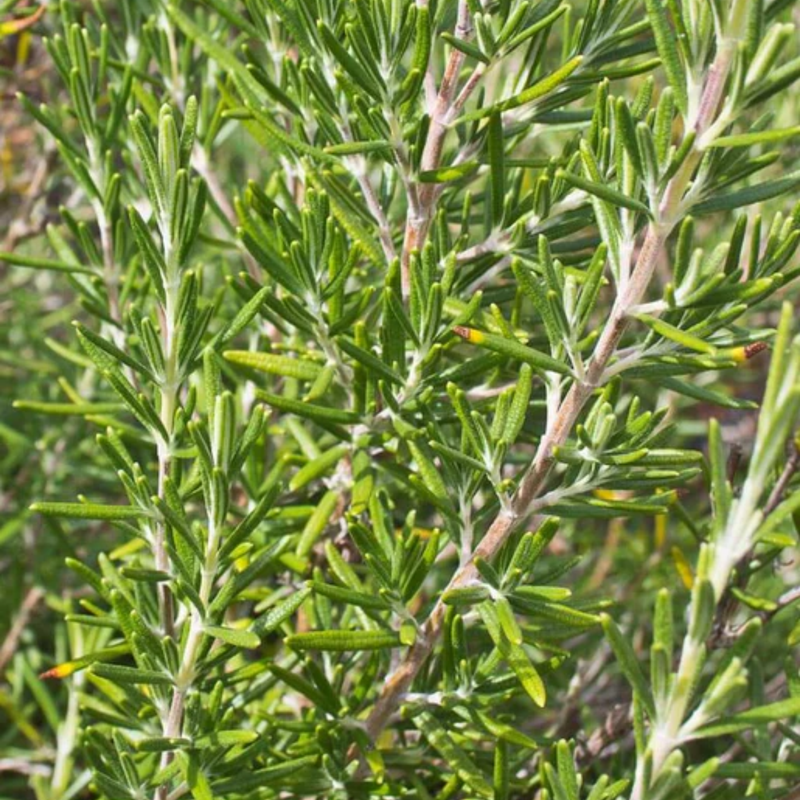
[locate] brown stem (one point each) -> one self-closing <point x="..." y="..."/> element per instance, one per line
<point x="776" y="495"/>
<point x="420" y="215"/>
<point x="631" y="293"/>
<point x="220" y="197"/>
<point x="530" y="486"/>
<point x="375" y="208"/>
<point x="9" y="647"/>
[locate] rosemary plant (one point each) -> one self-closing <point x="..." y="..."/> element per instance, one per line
<point x="398" y="325"/>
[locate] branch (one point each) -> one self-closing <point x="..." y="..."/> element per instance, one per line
<point x="218" y="194"/>
<point x="562" y="423"/>
<point x="9" y="647"/>
<point x="418" y="219"/>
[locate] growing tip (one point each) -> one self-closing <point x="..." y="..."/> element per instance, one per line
<point x="748" y="351"/>
<point x="58" y="672"/>
<point x="469" y="334"/>
<point x="754" y="349"/>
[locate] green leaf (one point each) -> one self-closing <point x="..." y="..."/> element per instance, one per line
<point x="351" y="65"/>
<point x="252" y="92"/>
<point x="125" y="675"/>
<point x="318" y="466"/>
<point x="598" y="508"/>
<point x="757" y="137"/>
<point x="195" y="778"/>
<point x="242" y="319"/>
<point x="309" y="410"/>
<point x="138" y="404"/>
<point x="539" y="90"/>
<point x="343" y="641"/>
<point x="628" y="663"/>
<point x="355" y="148"/>
<point x="154" y="180"/>
<point x="279" y="613"/>
<point x="702" y="393"/>
<point x="667" y="45"/>
<point x="513" y="349"/>
<point x="349" y="596"/>
<point x="467" y="48"/>
<point x="93" y="342"/>
<point x="519" y="405"/>
<point x="89" y="511"/>
<point x="726" y="201"/>
<point x="33" y="262"/>
<point x="162" y="744"/>
<point x="275" y="364"/>
<point x="496" y="149"/>
<point x="466" y="595"/>
<point x="762" y="715"/>
<point x="525" y="671"/>
<point x="508" y="622"/>
<point x="225" y="738"/>
<point x="514" y="654"/>
<point x="676" y="334"/>
<point x="447" y="174"/>
<point x="369" y="360"/>
<point x="765" y="770"/>
<point x="237" y="637"/>
<point x="782" y="513"/>
<point x="317" y="522"/>
<point x="423" y="45"/>
<point x="220" y="54"/>
<point x="68" y="409"/>
<point x="604" y="192"/>
<point x="430" y="475"/>
<point x="721" y="492"/>
<point x="439" y="738"/>
<point x="342" y="201"/>
<point x="247" y="782"/>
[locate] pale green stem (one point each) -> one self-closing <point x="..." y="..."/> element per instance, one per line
<point x="664" y="737"/>
<point x="170" y="388"/>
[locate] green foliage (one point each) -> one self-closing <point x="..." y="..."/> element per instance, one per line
<point x="385" y="313"/>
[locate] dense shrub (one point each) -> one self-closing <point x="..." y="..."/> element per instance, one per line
<point x="413" y="435"/>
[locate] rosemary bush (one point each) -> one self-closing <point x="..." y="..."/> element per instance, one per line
<point x="379" y="450"/>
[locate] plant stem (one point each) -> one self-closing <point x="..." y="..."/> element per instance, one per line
<point x="358" y="164"/>
<point x="532" y="482"/>
<point x="169" y="399"/>
<point x="665" y="736"/>
<point x="419" y="216"/>
<point x="563" y="421"/>
<point x="186" y="673"/>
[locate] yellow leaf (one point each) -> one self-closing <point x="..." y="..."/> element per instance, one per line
<point x="660" y="531"/>
<point x="683" y="567"/>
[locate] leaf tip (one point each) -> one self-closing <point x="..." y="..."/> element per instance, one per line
<point x="469" y="334"/>
<point x="58" y="672"/>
